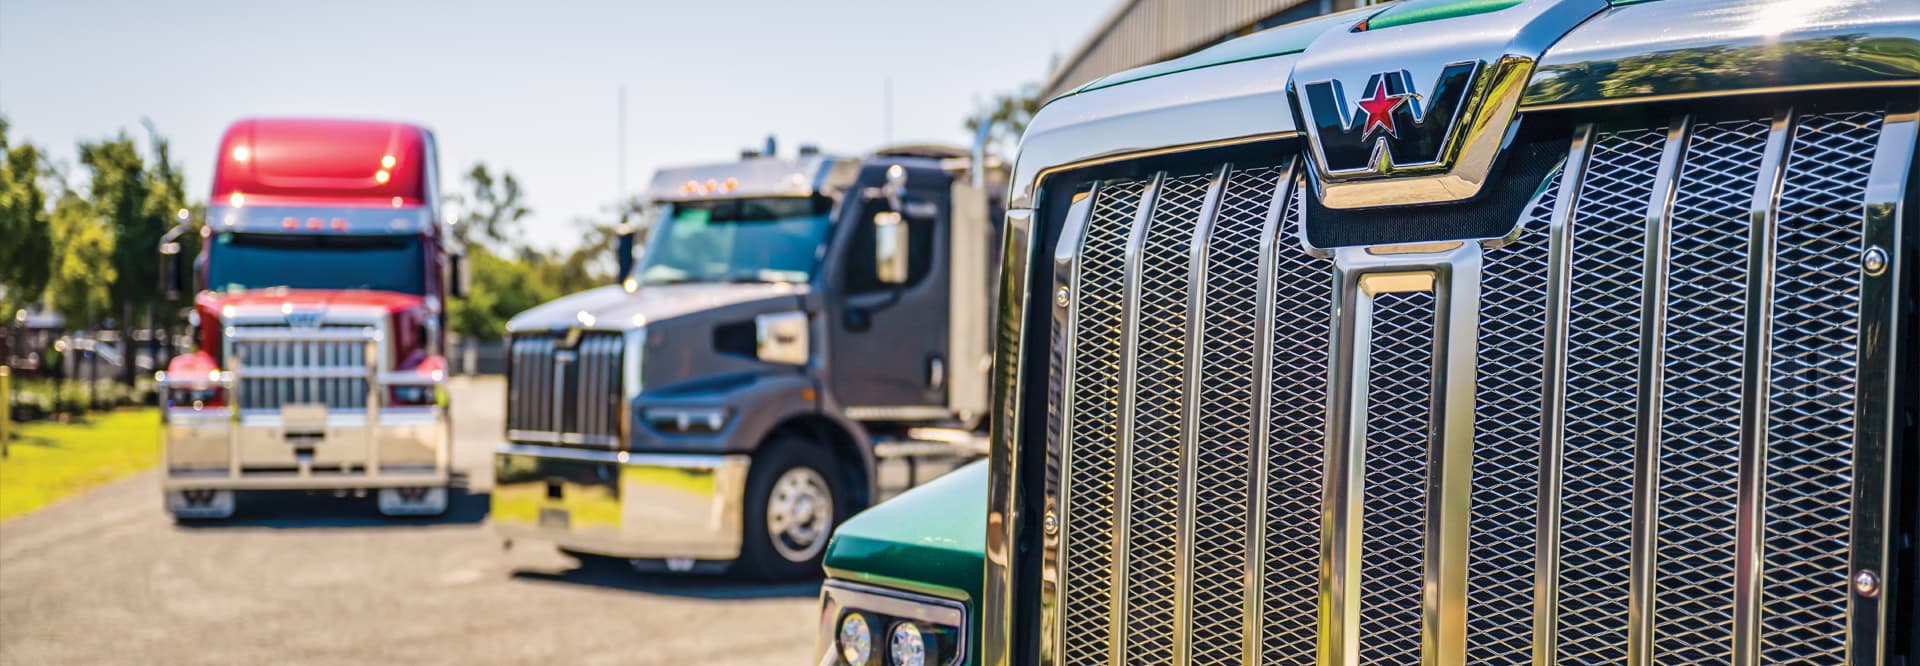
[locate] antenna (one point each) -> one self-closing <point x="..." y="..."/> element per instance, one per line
<point x="887" y="121"/>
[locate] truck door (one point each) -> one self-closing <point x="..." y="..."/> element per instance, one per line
<point x="888" y="341"/>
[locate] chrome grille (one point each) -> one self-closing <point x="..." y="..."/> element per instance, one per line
<point x="1615" y="384"/>
<point x="1810" y="436"/>
<point x="1296" y="436"/>
<point x="1093" y="466"/>
<point x="561" y="395"/>
<point x="1603" y="342"/>
<point x="1223" y="468"/>
<point x="1393" y="541"/>
<point x="337" y="369"/>
<point x="1506" y="460"/>
<point x="1705" y="327"/>
<point x="1157" y="443"/>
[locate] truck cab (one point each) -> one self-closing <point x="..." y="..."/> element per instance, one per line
<point x="792" y="325"/>
<point x="1445" y="332"/>
<point x="319" y="311"/>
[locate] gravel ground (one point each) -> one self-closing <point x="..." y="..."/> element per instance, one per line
<point x="107" y="578"/>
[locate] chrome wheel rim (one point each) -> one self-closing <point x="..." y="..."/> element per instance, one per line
<point x="799" y="514"/>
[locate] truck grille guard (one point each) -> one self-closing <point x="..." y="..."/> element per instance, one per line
<point x="1653" y="425"/>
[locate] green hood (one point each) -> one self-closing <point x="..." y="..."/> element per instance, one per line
<point x="929" y="540"/>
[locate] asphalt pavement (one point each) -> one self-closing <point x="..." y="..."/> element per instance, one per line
<point x="108" y="578"/>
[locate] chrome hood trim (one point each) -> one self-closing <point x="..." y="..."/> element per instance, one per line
<point x="611" y="308"/>
<point x="1732" y="47"/>
<point x="1780" y="45"/>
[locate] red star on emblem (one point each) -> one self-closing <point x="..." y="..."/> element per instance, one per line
<point x="1379" y="110"/>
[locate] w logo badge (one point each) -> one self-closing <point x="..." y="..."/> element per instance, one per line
<point x="1392" y="124"/>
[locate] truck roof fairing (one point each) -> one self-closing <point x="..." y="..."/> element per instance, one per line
<point x="754" y="177"/>
<point x="294" y="162"/>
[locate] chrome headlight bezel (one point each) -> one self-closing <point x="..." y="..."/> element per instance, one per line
<point x="885" y="609"/>
<point x="781" y="337"/>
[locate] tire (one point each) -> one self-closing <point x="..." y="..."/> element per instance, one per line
<point x="785" y="480"/>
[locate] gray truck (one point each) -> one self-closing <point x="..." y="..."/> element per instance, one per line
<point x="792" y="326"/>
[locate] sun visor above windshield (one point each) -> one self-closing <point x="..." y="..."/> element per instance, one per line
<point x="754" y="177"/>
<point x="319" y="220"/>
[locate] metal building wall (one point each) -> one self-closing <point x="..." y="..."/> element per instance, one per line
<point x="1138" y="32"/>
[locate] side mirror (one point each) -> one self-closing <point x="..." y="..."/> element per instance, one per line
<point x="890" y="243"/>
<point x="173" y="271"/>
<point x="173" y="264"/>
<point x="460" y="278"/>
<point x="623" y="252"/>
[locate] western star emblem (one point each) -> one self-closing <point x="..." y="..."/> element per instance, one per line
<point x="1395" y="126"/>
<point x="1379" y="110"/>
<point x="304" y="318"/>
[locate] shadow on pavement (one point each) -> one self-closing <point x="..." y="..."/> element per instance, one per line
<point x="614" y="574"/>
<point x="322" y="510"/>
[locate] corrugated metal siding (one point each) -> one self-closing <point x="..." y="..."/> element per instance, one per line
<point x="1140" y="32"/>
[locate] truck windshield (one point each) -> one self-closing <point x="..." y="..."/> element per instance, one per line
<point x="383" y="262"/>
<point x="741" y="240"/>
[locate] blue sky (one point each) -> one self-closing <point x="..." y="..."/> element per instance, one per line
<point x="529" y="86"/>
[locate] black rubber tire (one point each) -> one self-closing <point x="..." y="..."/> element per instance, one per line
<point x="758" y="558"/>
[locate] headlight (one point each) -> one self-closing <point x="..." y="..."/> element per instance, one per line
<point x="909" y="645"/>
<point x="918" y="630"/>
<point x="856" y="639"/>
<point x="413" y="395"/>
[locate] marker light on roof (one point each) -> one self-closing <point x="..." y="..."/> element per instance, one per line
<point x="731" y="184"/>
<point x="690" y="187"/>
<point x="710" y="186"/>
<point x="240" y="153"/>
<point x="381" y="176"/>
<point x="339" y="224"/>
<point x="289" y="223"/>
<point x="386" y="161"/>
<point x="237" y="199"/>
<point x="314" y="223"/>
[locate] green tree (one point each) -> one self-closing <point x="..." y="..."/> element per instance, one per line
<point x="83" y="271"/>
<point x="492" y="207"/>
<point x="1010" y="112"/>
<point x="138" y="202"/>
<point x="26" y="258"/>
<point x="502" y="288"/>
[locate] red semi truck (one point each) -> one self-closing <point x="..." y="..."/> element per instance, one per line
<point x="320" y="319"/>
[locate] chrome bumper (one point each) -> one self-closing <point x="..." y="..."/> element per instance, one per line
<point x="644" y="506"/>
<point x="215" y="449"/>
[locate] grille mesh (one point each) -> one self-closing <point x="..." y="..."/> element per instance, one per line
<point x="1506" y="456"/>
<point x="1223" y="467"/>
<point x="1810" y="423"/>
<point x="1699" y="472"/>
<point x="1092" y="444"/>
<point x="1159" y="383"/>
<point x="1603" y="341"/>
<point x="1296" y="445"/>
<point x="1392" y="543"/>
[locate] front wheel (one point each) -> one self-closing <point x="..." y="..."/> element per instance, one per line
<point x="795" y="497"/>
